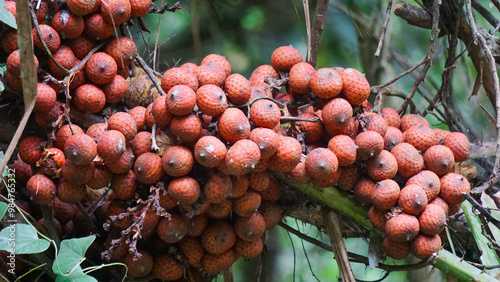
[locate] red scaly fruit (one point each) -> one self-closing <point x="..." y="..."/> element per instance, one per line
<point x="97" y="28"/>
<point x="409" y="120"/>
<point x="250" y="228"/>
<point x="238" y="89"/>
<point x="402" y="228"/>
<point x="210" y="73"/>
<point x="80" y="149"/>
<point x="189" y="67"/>
<point x="287" y="155"/>
<point x="124" y="123"/>
<point x="452" y="187"/>
<point x="211" y="100"/>
<point x="160" y="112"/>
<point x="185" y="189"/>
<point x="219" y="60"/>
<point x="233" y="125"/>
<point x="50" y="37"/>
<point x="299" y="77"/>
<point x="124" y="186"/>
<point x="344" y="148"/>
<point x="193" y="250"/>
<point x="220" y="211"/>
<point x="31" y="149"/>
<point x="312" y="130"/>
<point x="13" y="63"/>
<point x="116" y="11"/>
<point x="438" y="201"/>
<point x="9" y="41"/>
<point x="348" y="176"/>
<point x="410" y="161"/>
<point x="41" y="189"/>
<point x="326" y="83"/>
<point x="424" y="246"/>
<point x="46" y="98"/>
<point x="459" y="145"/>
<point x="69" y="193"/>
<point x="412" y="199"/>
<point x="385" y="194"/>
<point x="101" y="68"/>
<point x="111" y="145"/>
<point x="213" y="264"/>
<point x="166" y="267"/>
<point x="249" y="250"/>
<point x="299" y="174"/>
<point x="266" y="139"/>
<point x="67" y="24"/>
<point x="383" y="166"/>
<point x="265" y="113"/>
<point x="151" y="219"/>
<point x="439" y="159"/>
<point x="139" y="8"/>
<point x="181" y="100"/>
<point x="115" y="208"/>
<point x="78" y="174"/>
<point x="138" y="113"/>
<point x="259" y="181"/>
<point x="186" y="128"/>
<point x="321" y="163"/>
<point x="271" y="213"/>
<point x="65" y="57"/>
<point x="439" y="135"/>
<point x="139" y="266"/>
<point x="82" y="7"/>
<point x="102" y="178"/>
<point x="392" y="137"/>
<point x="285" y="57"/>
<point x="373" y="122"/>
<point x="261" y="74"/>
<point x="63" y="212"/>
<point x="396" y="250"/>
<point x="272" y="192"/>
<point x="363" y="191"/>
<point x="429" y="181"/>
<point x="89" y="98"/>
<point x="123" y="50"/>
<point x="247" y="204"/>
<point x="176" y="76"/>
<point x="116" y="89"/>
<point x="242" y="157"/>
<point x="172" y="229"/>
<point x="377" y="218"/>
<point x="209" y="151"/>
<point x="197" y="224"/>
<point x="166" y="201"/>
<point x="177" y="161"/>
<point x="218" y="188"/>
<point x="337" y="114"/>
<point x="241" y="184"/>
<point x="123" y="164"/>
<point x="391" y="116"/>
<point x="96" y="130"/>
<point x="370" y="144"/>
<point x="432" y="220"/>
<point x="218" y="237"/>
<point x="421" y="137"/>
<point x="148" y="168"/>
<point x="355" y="87"/>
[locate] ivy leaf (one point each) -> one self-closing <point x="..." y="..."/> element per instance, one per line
<point x="24" y="239"/>
<point x="71" y="255"/>
<point x="76" y="275"/>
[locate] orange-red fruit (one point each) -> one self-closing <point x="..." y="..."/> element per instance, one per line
<point x="271" y="213"/>
<point x="321" y="163"/>
<point x="299" y="77"/>
<point x="97" y="28"/>
<point x="385" y="194"/>
<point x="139" y="7"/>
<point x="402" y="228"/>
<point x="392" y="137"/>
<point x="452" y="187"/>
<point x="261" y="74"/>
<point x="141" y="266"/>
<point x="139" y="113"/>
<point x="259" y="181"/>
<point x="363" y="191"/>
<point x="30" y="149"/>
<point x="424" y="246"/>
<point x="49" y="35"/>
<point x="80" y="149"/>
<point x="123" y="164"/>
<point x="240" y="185"/>
<point x="186" y="128"/>
<point x="265" y="113"/>
<point x="391" y="116"/>
<point x="432" y="219"/>
<point x="266" y="139"/>
<point x="439" y="159"/>
<point x="177" y="161"/>
<point x="124" y="185"/>
<point x="218" y="60"/>
<point x="247" y="204"/>
<point x="50" y="162"/>
<point x="101" y="68"/>
<point x="186" y="190"/>
<point x="193" y="250"/>
<point x="70" y="193"/>
<point x="421" y="137"/>
<point x="65" y="57"/>
<point x="64" y="133"/>
<point x="14" y="63"/>
<point x="344" y="148"/>
<point x="209" y="151"/>
<point x="249" y="249"/>
<point x="160" y="112"/>
<point x="459" y="144"/>
<point x="438" y="201"/>
<point x="123" y="50"/>
<point x="377" y="218"/>
<point x="218" y="237"/>
<point x="176" y="76"/>
<point x="242" y="157"/>
<point x="370" y="144"/>
<point x="9" y="40"/>
<point x="41" y="189"/>
<point x="356" y="88"/>
<point x="412" y="199"/>
<point x="141" y="143"/>
<point x="116" y="89"/>
<point x="148" y="168"/>
<point x="213" y="264"/>
<point x="312" y="130"/>
<point x="396" y="250"/>
<point x="211" y="100"/>
<point x="217" y="188"/>
<point x="233" y="125"/>
<point x="197" y="225"/>
<point x="383" y="166"/>
<point x="429" y="181"/>
<point x="298" y="174"/>
<point x="326" y="83"/>
<point x="89" y="98"/>
<point x="166" y="267"/>
<point x="374" y="122"/>
<point x="285" y="57"/>
<point x="102" y="177"/>
<point x="348" y="176"/>
<point x="219" y="211"/>
<point x="287" y="155"/>
<point x="439" y="135"/>
<point x="181" y="100"/>
<point x="238" y="89"/>
<point x="116" y="11"/>
<point x="124" y="123"/>
<point x="410" y="161"/>
<point x="250" y="228"/>
<point x="172" y="229"/>
<point x="67" y="24"/>
<point x="210" y="73"/>
<point x="409" y="120"/>
<point x="337" y="113"/>
<point x="82" y="7"/>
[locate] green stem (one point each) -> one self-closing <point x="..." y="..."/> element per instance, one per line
<point x="347" y="206"/>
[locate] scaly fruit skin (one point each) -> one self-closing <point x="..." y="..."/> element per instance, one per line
<point x="337" y="114"/>
<point x="356" y="88"/>
<point x="30" y="149"/>
<point x="265" y="113"/>
<point x="166" y="267"/>
<point x="46" y="98"/>
<point x="115" y="90"/>
<point x="186" y="128"/>
<point x="177" y="161"/>
<point x="140" y="267"/>
<point x="233" y="125"/>
<point x="432" y="220"/>
<point x="396" y="250"/>
<point x="219" y="211"/>
<point x="218" y="237"/>
<point x="209" y="151"/>
<point x="181" y="100"/>
<point x="299" y="174"/>
<point x="370" y="144"/>
<point x="80" y="149"/>
<point x="321" y="163"/>
<point x="139" y="113"/>
<point x="173" y="229"/>
<point x="348" y="176"/>
<point x="14" y="63"/>
<point x="69" y="193"/>
<point x="439" y="159"/>
<point x="193" y="250"/>
<point x="65" y="57"/>
<point x="176" y="76"/>
<point x="452" y="187"/>
<point x="123" y="164"/>
<point x="261" y="73"/>
<point x="116" y="11"/>
<point x="377" y="218"/>
<point x="124" y="123"/>
<point x="391" y="116"/>
<point x="101" y="68"/>
<point x="139" y="8"/>
<point x="363" y="191"/>
<point x="210" y="74"/>
<point x="186" y="190"/>
<point x="424" y="246"/>
<point x="250" y="228"/>
<point x="238" y="89"/>
<point x="247" y="204"/>
<point x="249" y="250"/>
<point x="96" y="130"/>
<point x="299" y="76"/>
<point x="123" y="50"/>
<point x="266" y="139"/>
<point x="219" y="60"/>
<point x="41" y="189"/>
<point x="82" y="7"/>
<point x="459" y="145"/>
<point x="439" y="135"/>
<point x="213" y="264"/>
<point x="402" y="228"/>
<point x="285" y="57"/>
<point x="78" y="174"/>
<point x="259" y="180"/>
<point x="218" y="188"/>
<point x="412" y="199"/>
<point x="326" y="83"/>
<point x="385" y="194"/>
<point x="373" y="122"/>
<point x="124" y="185"/>
<point x="111" y="145"/>
<point x="392" y="137"/>
<point x="49" y="35"/>
<point x="242" y="157"/>
<point x="410" y="161"/>
<point x="148" y="168"/>
<point x="409" y="120"/>
<point x="287" y="155"/>
<point x="420" y="136"/>
<point x="67" y="24"/>
<point x="442" y="203"/>
<point x="383" y="166"/>
<point x="97" y="28"/>
<point x="102" y="178"/>
<point x="197" y="225"/>
<point x="271" y="213"/>
<point x="240" y="185"/>
<point x="89" y="98"/>
<point x="211" y="100"/>
<point x="160" y="112"/>
<point x="313" y="131"/>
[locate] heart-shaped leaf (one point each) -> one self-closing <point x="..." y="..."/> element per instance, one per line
<point x="22" y="239"/>
<point x="71" y="255"/>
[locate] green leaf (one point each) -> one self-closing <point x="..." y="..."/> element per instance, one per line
<point x="71" y="255"/>
<point x="489" y="256"/>
<point x="6" y="16"/>
<point x="3" y="209"/>
<point x="22" y="239"/>
<point x="76" y="276"/>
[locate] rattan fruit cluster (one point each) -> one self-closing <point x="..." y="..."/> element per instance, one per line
<point x="193" y="169"/>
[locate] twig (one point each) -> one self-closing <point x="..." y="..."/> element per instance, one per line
<point x="317" y="31"/>
<point x="400" y="75"/>
<point x="482" y="266"/>
<point x="165" y="8"/>
<point x="195" y="29"/>
<point x="307" y="15"/>
<point x="384" y="28"/>
<point x="482" y="210"/>
<point x="150" y="73"/>
<point x="485" y="13"/>
<point x="331" y="220"/>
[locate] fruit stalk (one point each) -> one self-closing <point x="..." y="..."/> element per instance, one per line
<point x="341" y="202"/>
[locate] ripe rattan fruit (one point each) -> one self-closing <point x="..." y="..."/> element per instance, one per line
<point x="402" y="228"/>
<point x="181" y="100"/>
<point x="242" y="157"/>
<point x="211" y="100"/>
<point x="233" y="125"/>
<point x="409" y="159"/>
<point x="172" y="229"/>
<point x="321" y="163"/>
<point x="41" y="189"/>
<point x="429" y="181"/>
<point x="218" y="237"/>
<point x="287" y="155"/>
<point x="383" y="166"/>
<point x="385" y="194"/>
<point x="80" y="149"/>
<point x="299" y="76"/>
<point x="148" y="168"/>
<point x="265" y="113"/>
<point x="370" y="144"/>
<point x="396" y="250"/>
<point x="356" y="88"/>
<point x="67" y="24"/>
<point x="326" y="83"/>
<point x="285" y="57"/>
<point x="101" y="68"/>
<point x="116" y="11"/>
<point x="177" y="161"/>
<point x="424" y="246"/>
<point x="432" y="220"/>
<point x="31" y="149"/>
<point x="89" y="98"/>
<point x="412" y="199"/>
<point x="452" y="187"/>
<point x="186" y="190"/>
<point x="238" y="89"/>
<point x="459" y="145"/>
<point x="439" y="159"/>
<point x="123" y="50"/>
